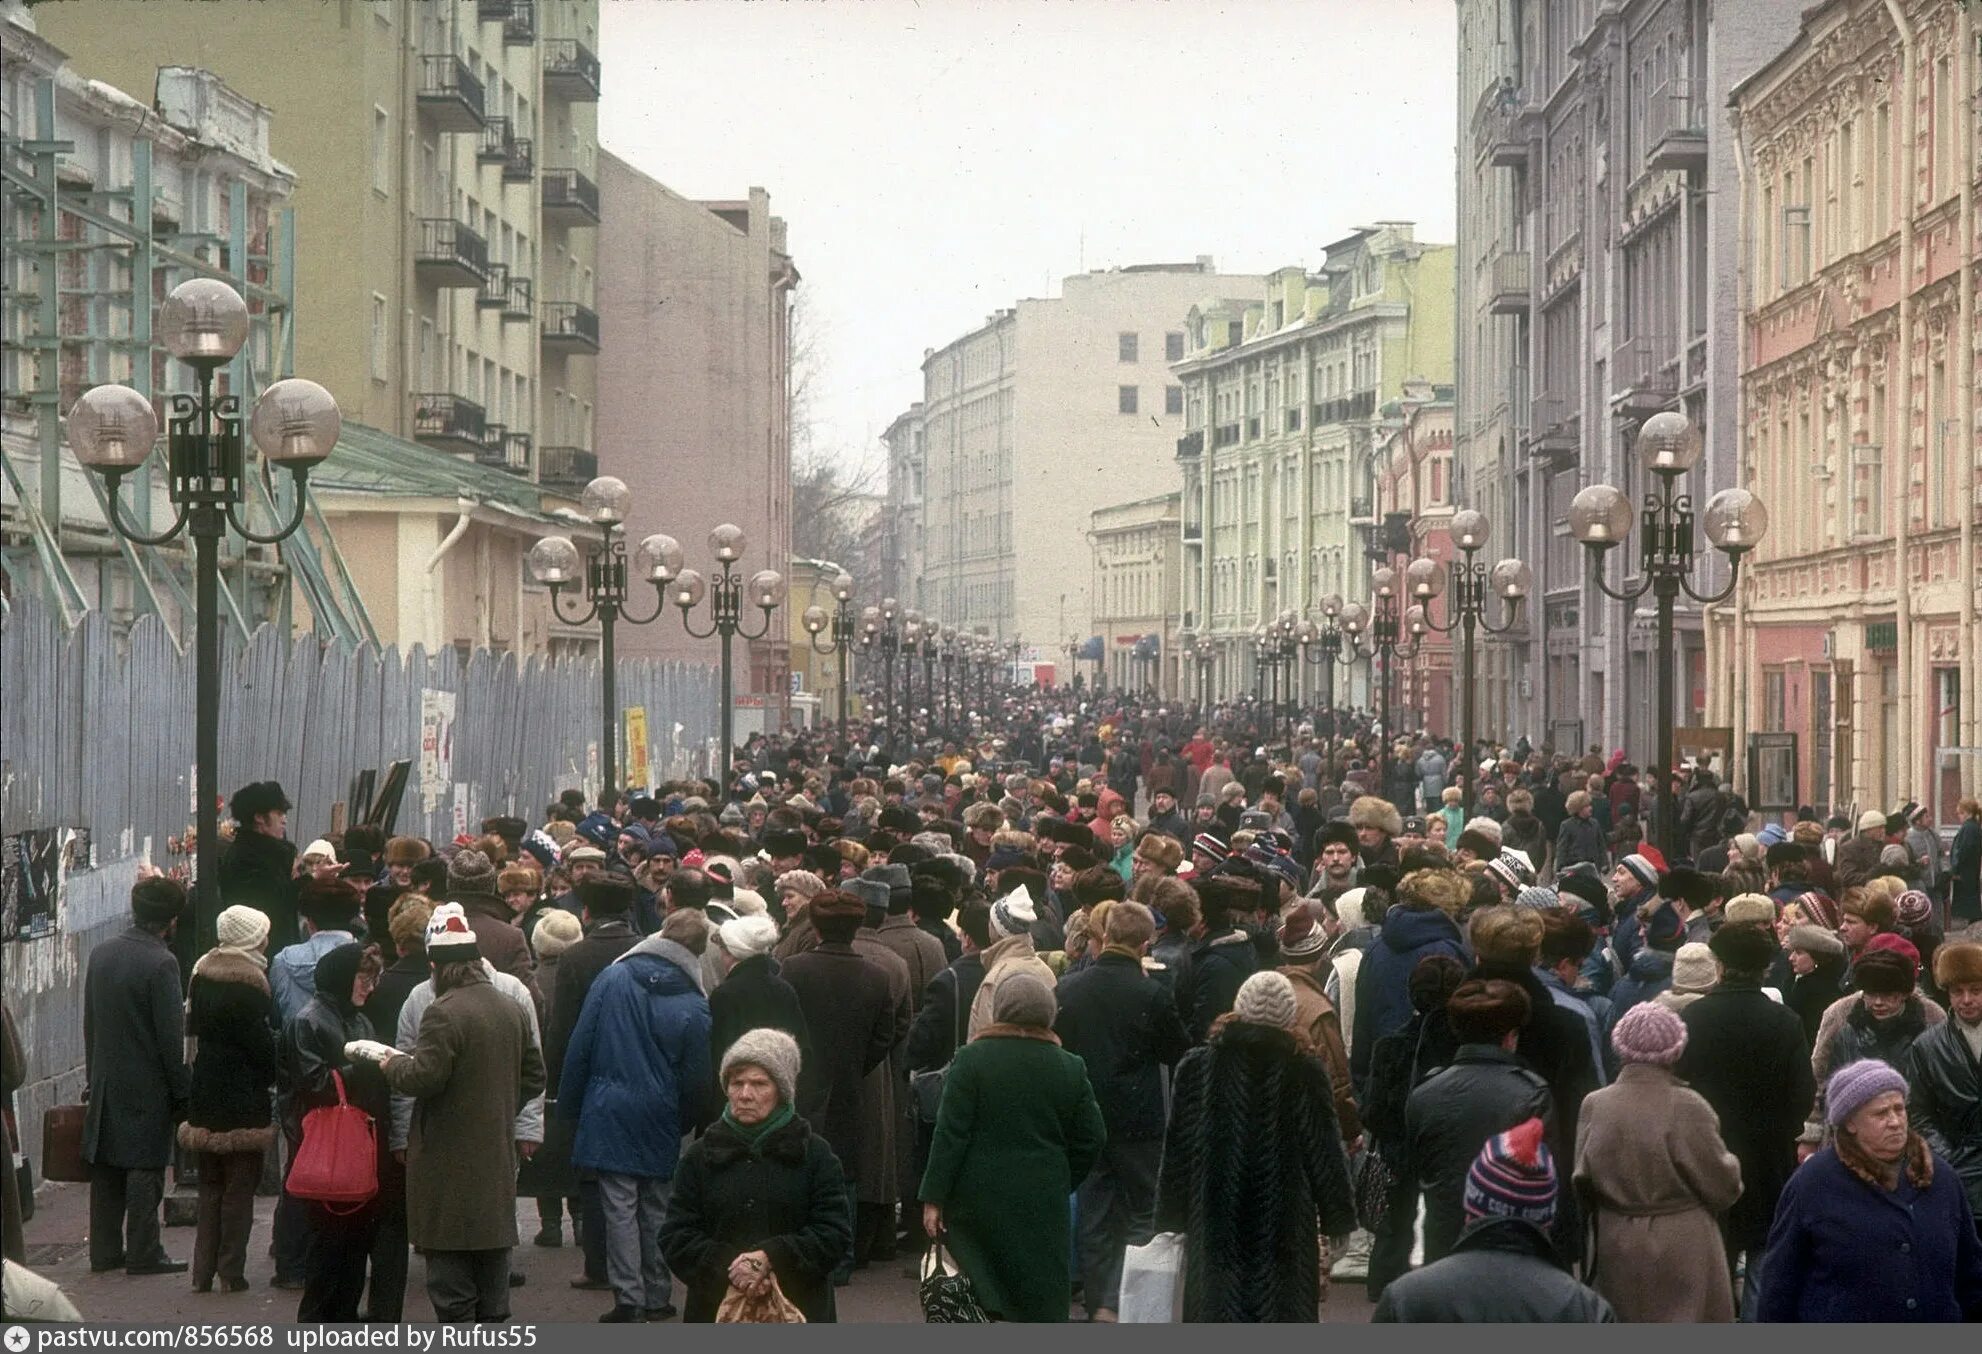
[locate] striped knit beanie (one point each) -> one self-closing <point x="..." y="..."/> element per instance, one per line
<point x="1513" y="1177"/>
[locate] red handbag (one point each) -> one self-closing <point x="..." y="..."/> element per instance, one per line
<point x="337" y="1161"/>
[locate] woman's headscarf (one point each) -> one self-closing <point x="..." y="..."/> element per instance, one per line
<point x="336" y="973"/>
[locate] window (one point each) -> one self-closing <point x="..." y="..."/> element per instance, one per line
<point x="1125" y="399"/>
<point x="1946" y="130"/>
<point x="381" y="150"/>
<point x="1125" y="347"/>
<point x="1173" y="347"/>
<point x="380" y="337"/>
<point x="1882" y="169"/>
<point x="1235" y="332"/>
<point x="1173" y="399"/>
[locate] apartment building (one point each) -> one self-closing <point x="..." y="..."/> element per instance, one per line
<point x="1049" y="410"/>
<point x="1137" y="551"/>
<point x="1597" y="285"/>
<point x="1283" y="390"/>
<point x="903" y="551"/>
<point x="1856" y="630"/>
<point x="1414" y="481"/>
<point x="447" y="210"/>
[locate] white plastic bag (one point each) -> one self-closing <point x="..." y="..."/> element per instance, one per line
<point x="1153" y="1281"/>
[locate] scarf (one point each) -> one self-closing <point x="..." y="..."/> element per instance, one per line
<point x="1916" y="1161"/>
<point x="754" y="1135"/>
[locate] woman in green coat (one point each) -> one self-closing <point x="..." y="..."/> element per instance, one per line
<point x="1017" y="1130"/>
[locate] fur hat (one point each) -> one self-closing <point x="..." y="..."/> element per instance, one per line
<point x="1165" y="853"/>
<point x="1381" y="814"/>
<point x="1693" y="969"/>
<point x="1689" y="886"/>
<point x="1749" y="907"/>
<point x="406" y="851"/>
<point x="1959" y="962"/>
<point x="1746" y="948"/>
<point x="256" y="798"/>
<point x="1267" y="998"/>
<point x="1649" y="1033"/>
<point x="831" y="903"/>
<point x="1447" y="890"/>
<point x="770" y="1049"/>
<point x="518" y="879"/>
<point x="1486" y="827"/>
<point x="804" y="883"/>
<point x="1337" y="833"/>
<point x="874" y="896"/>
<point x="328" y="903"/>
<point x="557" y="931"/>
<point x="984" y="815"/>
<point x="751" y="934"/>
<point x="783" y="843"/>
<point x="1816" y="940"/>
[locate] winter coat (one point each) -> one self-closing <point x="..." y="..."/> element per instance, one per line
<point x="939" y="1028"/>
<point x="1315" y="1020"/>
<point x="133" y="1052"/>
<point x="1525" y="832"/>
<point x="577" y="969"/>
<point x="1399" y="1064"/>
<point x="529" y="1115"/>
<point x="1581" y="841"/>
<point x="1746" y="1056"/>
<point x="754" y="997"/>
<point x="1649" y="974"/>
<point x="1017" y="1131"/>
<point x="883" y="1161"/>
<point x="292" y="971"/>
<point x="1173" y="951"/>
<point x="1857" y="860"/>
<point x="1484" y="1090"/>
<point x="1815" y="992"/>
<point x="1431" y="774"/>
<point x="1965" y="871"/>
<point x="922" y="952"/>
<point x="472" y="1069"/>
<point x="1383" y="983"/>
<point x="1847" y="1033"/>
<point x="783" y="1195"/>
<point x="850" y="1013"/>
<point x="394" y="986"/>
<point x="943" y="936"/>
<point x="1844" y="1249"/>
<point x="1003" y="959"/>
<point x="313" y="1043"/>
<point x="1654" y="1176"/>
<point x="1253" y="1175"/>
<point x="636" y="1075"/>
<point x="1556" y="1043"/>
<point x="229" y="1013"/>
<point x="500" y="940"/>
<point x="1501" y="1270"/>
<point x="1219" y="966"/>
<point x="1944" y="1102"/>
<point x="259" y="871"/>
<point x="1124" y="1026"/>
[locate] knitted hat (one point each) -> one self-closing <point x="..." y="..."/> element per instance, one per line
<point x="1512" y="867"/>
<point x="1300" y="934"/>
<point x="1856" y="1085"/>
<point x="319" y="850"/>
<point x="1267" y="999"/>
<point x="1749" y="907"/>
<point x="1649" y="1033"/>
<point x="1821" y="909"/>
<point x="1163" y="852"/>
<point x="1871" y="821"/>
<point x="1814" y="940"/>
<point x="804" y="883"/>
<point x="772" y="1050"/>
<point x="1205" y="844"/>
<point x="1024" y="1000"/>
<point x="450" y="940"/>
<point x="1960" y="962"/>
<point x="747" y="936"/>
<point x="557" y="931"/>
<point x="470" y="872"/>
<point x="1642" y="870"/>
<point x="1536" y="897"/>
<point x="1513" y="1177"/>
<point x="1693" y="968"/>
<point x="1885" y="972"/>
<point x="1013" y="914"/>
<point x="241" y="928"/>
<point x="1914" y="908"/>
<point x="1349" y="908"/>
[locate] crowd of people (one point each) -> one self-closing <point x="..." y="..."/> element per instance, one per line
<point x="1020" y="1001"/>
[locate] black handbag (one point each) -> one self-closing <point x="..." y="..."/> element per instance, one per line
<point x="948" y="1298"/>
<point x="1373" y="1181"/>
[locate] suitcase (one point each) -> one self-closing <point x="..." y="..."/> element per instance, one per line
<point x="62" y="1143"/>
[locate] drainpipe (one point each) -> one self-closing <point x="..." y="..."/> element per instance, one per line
<point x="1971" y="660"/>
<point x="466" y="508"/>
<point x="1900" y="468"/>
<point x="1735" y="640"/>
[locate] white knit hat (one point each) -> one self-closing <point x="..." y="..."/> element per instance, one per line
<point x="748" y="935"/>
<point x="317" y="848"/>
<point x="748" y="903"/>
<point x="241" y="928"/>
<point x="774" y="1051"/>
<point x="1267" y="999"/>
<point x="1013" y="914"/>
<point x="450" y="939"/>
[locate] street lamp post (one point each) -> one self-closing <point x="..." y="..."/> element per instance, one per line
<point x="881" y="628"/>
<point x="1466" y="609"/>
<point x="112" y="430"/>
<point x="725" y="592"/>
<point x="1386" y="633"/>
<point x="1323" y="646"/>
<point x="915" y="636"/>
<point x="1735" y="521"/>
<point x="842" y="622"/>
<point x="1201" y="652"/>
<point x="554" y="561"/>
<point x="948" y="650"/>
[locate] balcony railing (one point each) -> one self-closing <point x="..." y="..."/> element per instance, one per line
<point x="1510" y="282"/>
<point x="1675" y="128"/>
<point x="570" y="327"/>
<point x="1346" y="409"/>
<point x="571" y="71"/>
<point x="516" y="301"/>
<point x="1497" y="134"/>
<point x="494" y="292"/>
<point x="450" y="423"/>
<point x="570" y="199"/>
<point x="450" y="95"/>
<point x="499" y="147"/>
<point x="519" y="26"/>
<point x="567" y="465"/>
<point x="1224" y="435"/>
<point x="450" y="254"/>
<point x="1647" y="373"/>
<point x="1191" y="444"/>
<point x="1557" y="431"/>
<point x="502" y="449"/>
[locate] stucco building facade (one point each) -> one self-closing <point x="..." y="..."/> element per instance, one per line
<point x="1136" y="551"/>
<point x="1414" y="478"/>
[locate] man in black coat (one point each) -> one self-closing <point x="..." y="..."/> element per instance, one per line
<point x="134" y="1057"/>
<point x="1747" y="1055"/>
<point x="940" y="1022"/>
<point x="1124" y="1025"/>
<point x="1222" y="957"/>
<point x="752" y="995"/>
<point x="258" y="868"/>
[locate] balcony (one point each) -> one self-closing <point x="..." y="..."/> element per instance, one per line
<point x="1193" y="533"/>
<point x="571" y="71"/>
<point x="1676" y="129"/>
<point x="1362" y="511"/>
<point x="570" y="328"/>
<point x="504" y="450"/>
<point x="573" y="466"/>
<point x="570" y="199"/>
<point x="1224" y="435"/>
<point x="1497" y="134"/>
<point x="1557" y="430"/>
<point x="450" y="96"/>
<point x="1346" y="409"/>
<point x="519" y="26"/>
<point x="494" y="291"/>
<point x="513" y="153"/>
<point x="450" y="255"/>
<point x="1190" y="445"/>
<point x="1647" y="376"/>
<point x="1508" y="290"/>
<point x="450" y="423"/>
<point x="517" y="307"/>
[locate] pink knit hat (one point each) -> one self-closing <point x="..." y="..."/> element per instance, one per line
<point x="1649" y="1033"/>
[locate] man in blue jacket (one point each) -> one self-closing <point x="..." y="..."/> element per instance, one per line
<point x="636" y="1078"/>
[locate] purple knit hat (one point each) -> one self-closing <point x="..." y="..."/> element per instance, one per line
<point x="1513" y="1177"/>
<point x="1856" y="1085"/>
<point x="1913" y="908"/>
<point x="1649" y="1033"/>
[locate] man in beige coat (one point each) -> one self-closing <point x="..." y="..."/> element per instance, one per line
<point x="1009" y="953"/>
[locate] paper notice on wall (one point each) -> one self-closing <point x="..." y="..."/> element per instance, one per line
<point x="592" y="772"/>
<point x="436" y="745"/>
<point x="636" y="747"/>
<point x="460" y="807"/>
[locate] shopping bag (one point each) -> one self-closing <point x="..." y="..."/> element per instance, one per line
<point x="767" y="1306"/>
<point x="337" y="1163"/>
<point x="947" y="1295"/>
<point x="1153" y="1281"/>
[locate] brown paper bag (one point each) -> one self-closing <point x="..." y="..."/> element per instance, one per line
<point x="767" y="1306"/>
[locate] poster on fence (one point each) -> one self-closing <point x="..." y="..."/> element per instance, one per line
<point x="436" y="745"/>
<point x="636" y="747"/>
<point x="30" y="883"/>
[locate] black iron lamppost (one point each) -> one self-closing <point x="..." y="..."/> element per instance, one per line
<point x="915" y="637"/>
<point x="1735" y="521"/>
<point x="881" y="628"/>
<point x="948" y="649"/>
<point x="555" y="561"/>
<point x="1323" y="645"/>
<point x="727" y="593"/>
<point x="1200" y="651"/>
<point x="112" y="430"/>
<point x="816" y="621"/>
<point x="1387" y="630"/>
<point x="1466" y="610"/>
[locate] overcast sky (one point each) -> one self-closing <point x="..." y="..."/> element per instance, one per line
<point x="937" y="161"/>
